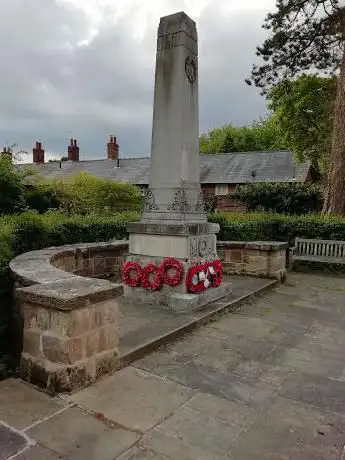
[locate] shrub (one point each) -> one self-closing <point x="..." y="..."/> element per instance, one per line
<point x="85" y="194"/>
<point x="41" y="197"/>
<point x="12" y="187"/>
<point x="33" y="231"/>
<point x="285" y="198"/>
<point x="277" y="227"/>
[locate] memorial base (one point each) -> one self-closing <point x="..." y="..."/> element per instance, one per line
<point x="179" y="302"/>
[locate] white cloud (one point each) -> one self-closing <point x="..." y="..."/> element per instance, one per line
<point x="85" y="68"/>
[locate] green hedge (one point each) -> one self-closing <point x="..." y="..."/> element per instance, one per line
<point x="277" y="227"/>
<point x="284" y="198"/>
<point x="30" y="231"/>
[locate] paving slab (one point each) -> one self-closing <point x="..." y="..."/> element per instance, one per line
<point x="79" y="436"/>
<point x="133" y="398"/>
<point x="176" y="448"/>
<point x="200" y="430"/>
<point x="22" y="405"/>
<point x="140" y="453"/>
<point x="302" y="360"/>
<point x="40" y="453"/>
<point x="319" y="391"/>
<point x="11" y="442"/>
<point x="290" y="430"/>
<point x="222" y="384"/>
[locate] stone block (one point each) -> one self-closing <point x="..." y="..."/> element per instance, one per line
<point x="60" y="322"/>
<point x="236" y="255"/>
<point x="63" y="350"/>
<point x="108" y="337"/>
<point x="43" y="318"/>
<point x="32" y="341"/>
<point x="158" y="245"/>
<point x="80" y="321"/>
<point x="29" y="314"/>
<point x="92" y="342"/>
<point x="181" y="302"/>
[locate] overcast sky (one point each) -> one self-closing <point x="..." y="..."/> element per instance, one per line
<point x="85" y="69"/>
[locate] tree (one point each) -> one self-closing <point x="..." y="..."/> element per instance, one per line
<point x="263" y="135"/>
<point x="304" y="35"/>
<point x="303" y="108"/>
<point x="12" y="187"/>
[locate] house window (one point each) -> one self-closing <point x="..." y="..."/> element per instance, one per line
<point x="222" y="189"/>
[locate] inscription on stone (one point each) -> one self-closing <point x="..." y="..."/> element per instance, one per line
<point x="166" y="42"/>
<point x="169" y="41"/>
<point x="201" y="247"/>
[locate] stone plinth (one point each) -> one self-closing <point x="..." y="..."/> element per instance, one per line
<point x="191" y="244"/>
<point x="70" y="335"/>
<point x="259" y="258"/>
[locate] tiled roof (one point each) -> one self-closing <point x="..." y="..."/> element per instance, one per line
<point x="227" y="168"/>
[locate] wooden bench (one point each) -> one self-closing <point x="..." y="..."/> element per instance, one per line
<point x="325" y="251"/>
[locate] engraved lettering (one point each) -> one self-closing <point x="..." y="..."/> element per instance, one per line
<point x="170" y="41"/>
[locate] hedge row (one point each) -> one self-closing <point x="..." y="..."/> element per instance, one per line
<point x="30" y="231"/>
<point x="278" y="227"/>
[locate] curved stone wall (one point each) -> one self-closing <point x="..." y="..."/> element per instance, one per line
<point x="68" y="317"/>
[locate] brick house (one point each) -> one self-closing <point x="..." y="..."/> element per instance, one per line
<point x="219" y="173"/>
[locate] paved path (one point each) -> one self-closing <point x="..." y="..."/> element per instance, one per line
<point x="266" y="382"/>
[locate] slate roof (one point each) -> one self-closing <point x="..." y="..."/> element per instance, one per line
<point x="227" y="168"/>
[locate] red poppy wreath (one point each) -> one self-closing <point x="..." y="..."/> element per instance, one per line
<point x="131" y="273"/>
<point x="172" y="271"/>
<point x="146" y="274"/>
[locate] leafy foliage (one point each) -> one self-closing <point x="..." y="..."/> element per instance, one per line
<point x="282" y="198"/>
<point x="303" y="34"/>
<point x="12" y="187"/>
<point x="87" y="194"/>
<point x="303" y="109"/>
<point x="264" y="135"/>
<point x="30" y="231"/>
<point x="278" y="227"/>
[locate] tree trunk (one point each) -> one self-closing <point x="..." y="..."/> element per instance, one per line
<point x="335" y="195"/>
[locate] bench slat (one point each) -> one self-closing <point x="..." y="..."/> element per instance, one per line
<point x="329" y="251"/>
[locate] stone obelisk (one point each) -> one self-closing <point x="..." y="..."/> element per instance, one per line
<point x="174" y="222"/>
<point x="175" y="168"/>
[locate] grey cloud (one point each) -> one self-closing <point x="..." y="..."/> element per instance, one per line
<point x="53" y="89"/>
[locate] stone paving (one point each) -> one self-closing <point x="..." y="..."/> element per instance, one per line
<point x="264" y="382"/>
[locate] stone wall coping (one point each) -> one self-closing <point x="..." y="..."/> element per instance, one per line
<point x="253" y="245"/>
<point x="70" y="294"/>
<point x="35" y="267"/>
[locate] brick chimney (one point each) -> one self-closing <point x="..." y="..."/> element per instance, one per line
<point x="113" y="149"/>
<point x="38" y="153"/>
<point x="73" y="151"/>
